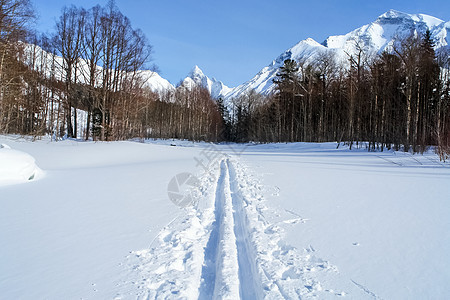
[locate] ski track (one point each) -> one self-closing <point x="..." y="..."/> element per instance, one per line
<point x="221" y="277"/>
<point x="225" y="248"/>
<point x="209" y="265"/>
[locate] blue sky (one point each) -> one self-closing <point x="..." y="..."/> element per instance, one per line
<point x="232" y="40"/>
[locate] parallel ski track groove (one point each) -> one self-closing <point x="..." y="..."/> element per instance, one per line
<point x="229" y="253"/>
<point x="249" y="287"/>
<point x="209" y="269"/>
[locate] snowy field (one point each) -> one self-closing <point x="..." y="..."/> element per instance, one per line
<point x="84" y="220"/>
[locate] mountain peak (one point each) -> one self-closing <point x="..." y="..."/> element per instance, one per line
<point x="196" y="72"/>
<point x="394" y="14"/>
<point x="310" y="41"/>
<point x="196" y="77"/>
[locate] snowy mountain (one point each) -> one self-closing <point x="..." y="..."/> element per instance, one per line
<point x="216" y="88"/>
<point x="155" y="82"/>
<point x="373" y="38"/>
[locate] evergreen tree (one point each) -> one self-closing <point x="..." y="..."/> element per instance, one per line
<point x="428" y="95"/>
<point x="225" y="134"/>
<point x="286" y="84"/>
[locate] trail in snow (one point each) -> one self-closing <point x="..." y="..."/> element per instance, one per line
<point x="225" y="248"/>
<point x="229" y="266"/>
<point x="220" y="277"/>
<point x="209" y="265"/>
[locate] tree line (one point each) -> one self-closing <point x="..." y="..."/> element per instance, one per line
<point x="398" y="99"/>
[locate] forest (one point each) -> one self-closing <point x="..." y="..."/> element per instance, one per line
<point x="92" y="64"/>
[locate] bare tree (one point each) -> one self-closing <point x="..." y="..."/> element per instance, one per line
<point x="15" y="15"/>
<point x="68" y="42"/>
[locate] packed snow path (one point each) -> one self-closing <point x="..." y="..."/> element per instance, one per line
<point x="225" y="248"/>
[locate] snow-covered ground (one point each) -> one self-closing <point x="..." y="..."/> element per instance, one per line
<point x="258" y="221"/>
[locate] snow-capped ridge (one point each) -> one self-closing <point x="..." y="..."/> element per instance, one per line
<point x="311" y="42"/>
<point x="393" y="16"/>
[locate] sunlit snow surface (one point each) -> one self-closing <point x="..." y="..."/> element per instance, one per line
<point x="282" y="220"/>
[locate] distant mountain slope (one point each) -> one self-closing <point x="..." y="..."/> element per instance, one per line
<point x="373" y="37"/>
<point x="155" y="82"/>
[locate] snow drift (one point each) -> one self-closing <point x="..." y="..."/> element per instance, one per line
<point x="16" y="166"/>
